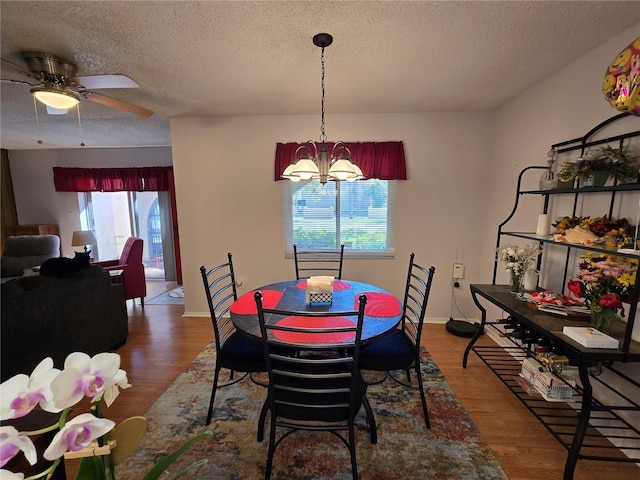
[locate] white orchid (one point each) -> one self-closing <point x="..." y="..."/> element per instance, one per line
<point x="86" y="376"/>
<point x="77" y="434"/>
<point x="11" y="442"/>
<point x="7" y="475"/>
<point x="21" y="393"/>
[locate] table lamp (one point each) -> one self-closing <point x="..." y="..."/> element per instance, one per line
<point x="84" y="238"/>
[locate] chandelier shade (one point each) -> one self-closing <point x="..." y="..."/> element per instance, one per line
<point x="320" y="163"/>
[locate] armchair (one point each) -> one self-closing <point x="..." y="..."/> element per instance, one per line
<point x="130" y="262"/>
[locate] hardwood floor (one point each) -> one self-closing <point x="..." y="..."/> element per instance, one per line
<point x="162" y="343"/>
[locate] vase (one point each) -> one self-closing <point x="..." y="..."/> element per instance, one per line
<point x="596" y="178"/>
<point x="601" y="319"/>
<point x="516" y="282"/>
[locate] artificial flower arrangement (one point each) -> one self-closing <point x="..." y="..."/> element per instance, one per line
<point x="620" y="163"/>
<point x="588" y="230"/>
<point x="518" y="260"/>
<point x="603" y="282"/>
<point x="55" y="391"/>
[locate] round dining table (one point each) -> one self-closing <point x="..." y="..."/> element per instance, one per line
<point x="383" y="310"/>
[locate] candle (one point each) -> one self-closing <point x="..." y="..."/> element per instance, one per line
<point x="543" y="224"/>
<point x="530" y="280"/>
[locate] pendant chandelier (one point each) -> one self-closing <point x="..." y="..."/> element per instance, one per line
<point x="313" y="162"/>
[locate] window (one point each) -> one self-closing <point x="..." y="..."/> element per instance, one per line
<point x="358" y="214"/>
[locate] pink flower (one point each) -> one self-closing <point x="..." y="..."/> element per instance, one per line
<point x="77" y="434"/>
<point x="86" y="376"/>
<point x="11" y="442"/>
<point x="21" y="393"/>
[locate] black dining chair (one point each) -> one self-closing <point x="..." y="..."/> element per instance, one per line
<point x="318" y="262"/>
<point x="317" y="386"/>
<point x="400" y="350"/>
<point x="234" y="351"/>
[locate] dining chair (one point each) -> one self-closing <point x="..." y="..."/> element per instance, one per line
<point x="316" y="385"/>
<point x="400" y="350"/>
<point x="318" y="262"/>
<point x="234" y="351"/>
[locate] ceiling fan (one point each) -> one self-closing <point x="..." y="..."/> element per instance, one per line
<point x="59" y="89"/>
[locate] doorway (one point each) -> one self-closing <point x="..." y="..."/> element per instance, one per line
<point x="116" y="216"/>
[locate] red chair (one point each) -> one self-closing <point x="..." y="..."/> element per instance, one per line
<point x="130" y="262"/>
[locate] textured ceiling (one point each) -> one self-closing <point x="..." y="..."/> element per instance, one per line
<point x="246" y="58"/>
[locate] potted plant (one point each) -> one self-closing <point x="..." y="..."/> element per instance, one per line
<point x="596" y="166"/>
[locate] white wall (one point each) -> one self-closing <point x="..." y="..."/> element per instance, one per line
<point x="37" y="202"/>
<point x="228" y="201"/>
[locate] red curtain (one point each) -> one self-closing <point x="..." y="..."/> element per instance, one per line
<point x="142" y="179"/>
<point x="381" y="160"/>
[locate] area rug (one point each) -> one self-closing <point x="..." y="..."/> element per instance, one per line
<point x="452" y="449"/>
<point x="172" y="297"/>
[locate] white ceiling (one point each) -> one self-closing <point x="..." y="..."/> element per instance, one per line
<point x="247" y="58"/>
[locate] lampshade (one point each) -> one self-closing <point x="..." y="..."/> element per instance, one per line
<point x="83" y="237"/>
<point x="316" y="162"/>
<point x="56" y="96"/>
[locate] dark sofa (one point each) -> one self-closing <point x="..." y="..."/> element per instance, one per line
<point x="52" y="317"/>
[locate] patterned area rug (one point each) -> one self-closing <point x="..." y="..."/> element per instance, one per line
<point x="452" y="449"/>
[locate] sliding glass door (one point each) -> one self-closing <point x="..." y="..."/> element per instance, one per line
<point x="116" y="216"/>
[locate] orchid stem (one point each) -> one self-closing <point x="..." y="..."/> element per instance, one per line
<point x="59" y="424"/>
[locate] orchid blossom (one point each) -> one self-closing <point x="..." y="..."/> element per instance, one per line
<point x="86" y="376"/>
<point x="21" y="393"/>
<point x="7" y="475"/>
<point x="77" y="434"/>
<point x="11" y="442"/>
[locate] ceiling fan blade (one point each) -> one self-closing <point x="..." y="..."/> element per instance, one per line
<point x="92" y="82"/>
<point x="6" y="64"/>
<point x="119" y="104"/>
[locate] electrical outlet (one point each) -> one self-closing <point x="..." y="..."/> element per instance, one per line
<point x="458" y="271"/>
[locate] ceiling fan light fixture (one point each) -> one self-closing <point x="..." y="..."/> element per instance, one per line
<point x="56" y="96"/>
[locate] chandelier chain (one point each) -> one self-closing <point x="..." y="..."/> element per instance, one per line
<point x="323" y="136"/>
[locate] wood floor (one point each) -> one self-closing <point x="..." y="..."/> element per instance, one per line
<point x="162" y="343"/>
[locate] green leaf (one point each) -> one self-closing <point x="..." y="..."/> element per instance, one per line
<point x="91" y="468"/>
<point x="163" y="464"/>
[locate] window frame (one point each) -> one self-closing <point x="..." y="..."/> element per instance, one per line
<point x="389" y="252"/>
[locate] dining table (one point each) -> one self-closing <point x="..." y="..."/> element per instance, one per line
<point x="383" y="311"/>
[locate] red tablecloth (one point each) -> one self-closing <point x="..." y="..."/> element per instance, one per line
<point x="246" y="304"/>
<point x="379" y="304"/>
<point x="310" y="322"/>
<point x="338" y="285"/>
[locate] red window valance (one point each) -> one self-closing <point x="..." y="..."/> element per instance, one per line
<point x="138" y="179"/>
<point x="381" y="160"/>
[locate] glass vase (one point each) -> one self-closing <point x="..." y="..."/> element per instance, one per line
<point x="601" y="319"/>
<point x="549" y="180"/>
<point x="516" y="282"/>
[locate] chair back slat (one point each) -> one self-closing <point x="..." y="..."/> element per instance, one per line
<point x="220" y="288"/>
<point x="314" y="375"/>
<point x="310" y="263"/>
<point x="416" y="297"/>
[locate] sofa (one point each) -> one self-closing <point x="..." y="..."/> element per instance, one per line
<point x="22" y="252"/>
<point x="45" y="316"/>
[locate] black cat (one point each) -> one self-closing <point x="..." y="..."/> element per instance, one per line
<point x="61" y="267"/>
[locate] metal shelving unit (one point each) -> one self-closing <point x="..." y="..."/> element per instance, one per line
<point x="587" y="427"/>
